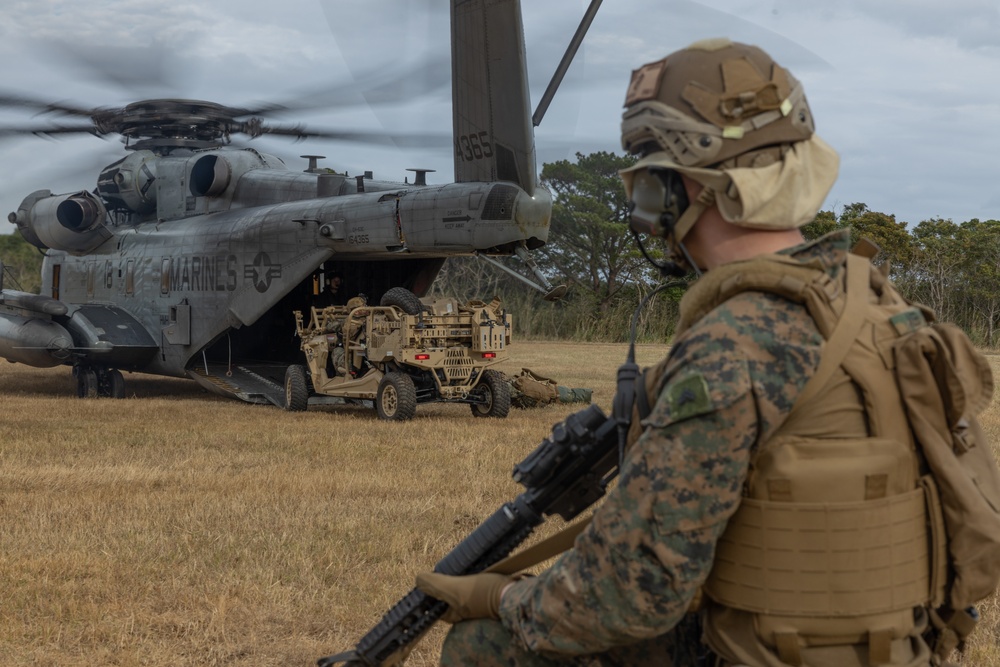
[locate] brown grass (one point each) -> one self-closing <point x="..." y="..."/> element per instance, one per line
<point x="178" y="528"/>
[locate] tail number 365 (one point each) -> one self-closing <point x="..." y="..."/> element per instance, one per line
<point x="474" y="146"/>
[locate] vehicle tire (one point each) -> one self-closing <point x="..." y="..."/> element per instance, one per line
<point x="87" y="385"/>
<point x="396" y="399"/>
<point x="497" y="394"/>
<point x="296" y="389"/>
<point x="403" y="299"/>
<point x="114" y="384"/>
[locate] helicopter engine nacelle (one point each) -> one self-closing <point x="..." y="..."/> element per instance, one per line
<point x="130" y="183"/>
<point x="210" y="176"/>
<point x="75" y="223"/>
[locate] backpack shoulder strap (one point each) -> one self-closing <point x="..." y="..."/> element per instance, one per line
<point x="845" y="331"/>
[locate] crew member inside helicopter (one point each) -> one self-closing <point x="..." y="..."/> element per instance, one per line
<point x="333" y="293"/>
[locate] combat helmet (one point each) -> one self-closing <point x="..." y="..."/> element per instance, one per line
<point x="727" y="116"/>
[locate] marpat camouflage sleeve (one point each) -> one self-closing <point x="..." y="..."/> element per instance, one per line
<point x="731" y="380"/>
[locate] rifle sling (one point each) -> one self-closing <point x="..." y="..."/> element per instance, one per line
<point x="536" y="553"/>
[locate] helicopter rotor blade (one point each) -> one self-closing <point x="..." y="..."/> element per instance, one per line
<point x="48" y="131"/>
<point x="564" y="64"/>
<point x="18" y="101"/>
<point x="410" y="140"/>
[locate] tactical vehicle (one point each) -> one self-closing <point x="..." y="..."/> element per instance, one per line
<point x="403" y="352"/>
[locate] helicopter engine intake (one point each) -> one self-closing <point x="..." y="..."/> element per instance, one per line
<point x="210" y="176"/>
<point x="74" y="222"/>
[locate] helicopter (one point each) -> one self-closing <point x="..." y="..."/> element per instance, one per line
<point x="191" y="254"/>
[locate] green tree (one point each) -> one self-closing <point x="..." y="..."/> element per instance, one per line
<point x="892" y="237"/>
<point x="979" y="273"/>
<point x="937" y="257"/>
<point x="590" y="242"/>
<point x="824" y="223"/>
<point x="22" y="263"/>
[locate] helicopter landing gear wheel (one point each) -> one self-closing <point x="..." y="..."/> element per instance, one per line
<point x="296" y="389"/>
<point x="87" y="385"/>
<point x="396" y="399"/>
<point x="494" y="395"/>
<point x="110" y="383"/>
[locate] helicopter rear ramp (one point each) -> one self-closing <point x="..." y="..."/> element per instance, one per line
<point x="250" y="383"/>
<point x="254" y="382"/>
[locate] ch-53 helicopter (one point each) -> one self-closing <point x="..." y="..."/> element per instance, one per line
<point x="190" y="256"/>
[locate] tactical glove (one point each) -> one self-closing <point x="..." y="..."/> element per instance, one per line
<point x="468" y="597"/>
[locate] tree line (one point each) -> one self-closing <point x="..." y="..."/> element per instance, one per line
<point x="952" y="267"/>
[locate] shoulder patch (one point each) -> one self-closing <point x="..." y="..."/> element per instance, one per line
<point x="908" y="321"/>
<point x="689" y="397"/>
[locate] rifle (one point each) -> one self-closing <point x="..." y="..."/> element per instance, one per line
<point x="568" y="472"/>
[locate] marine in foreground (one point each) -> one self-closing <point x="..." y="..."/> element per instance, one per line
<point x="805" y="481"/>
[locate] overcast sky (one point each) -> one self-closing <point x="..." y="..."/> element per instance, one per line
<point x="905" y="90"/>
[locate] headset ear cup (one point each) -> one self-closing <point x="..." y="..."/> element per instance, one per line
<point x="648" y="197"/>
<point x="675" y="199"/>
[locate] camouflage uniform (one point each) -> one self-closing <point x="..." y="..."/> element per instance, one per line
<point x="731" y="380"/>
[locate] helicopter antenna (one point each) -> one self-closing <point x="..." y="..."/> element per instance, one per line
<point x="567" y="59"/>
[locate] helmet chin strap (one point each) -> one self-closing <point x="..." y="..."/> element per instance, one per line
<point x="670" y="217"/>
<point x="676" y="231"/>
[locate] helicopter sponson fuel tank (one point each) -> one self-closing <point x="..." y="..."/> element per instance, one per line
<point x="27" y="333"/>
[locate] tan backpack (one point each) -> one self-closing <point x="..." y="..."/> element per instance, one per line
<point x="945" y="383"/>
<point x="535" y="389"/>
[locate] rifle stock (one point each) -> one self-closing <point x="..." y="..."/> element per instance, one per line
<point x="568" y="472"/>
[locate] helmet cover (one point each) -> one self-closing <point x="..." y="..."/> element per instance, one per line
<point x="726" y="115"/>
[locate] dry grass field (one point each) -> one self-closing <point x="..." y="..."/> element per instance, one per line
<point x="178" y="528"/>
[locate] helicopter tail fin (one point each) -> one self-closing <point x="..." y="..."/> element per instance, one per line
<point x="494" y="138"/>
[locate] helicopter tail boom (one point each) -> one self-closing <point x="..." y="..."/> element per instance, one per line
<point x="493" y="133"/>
